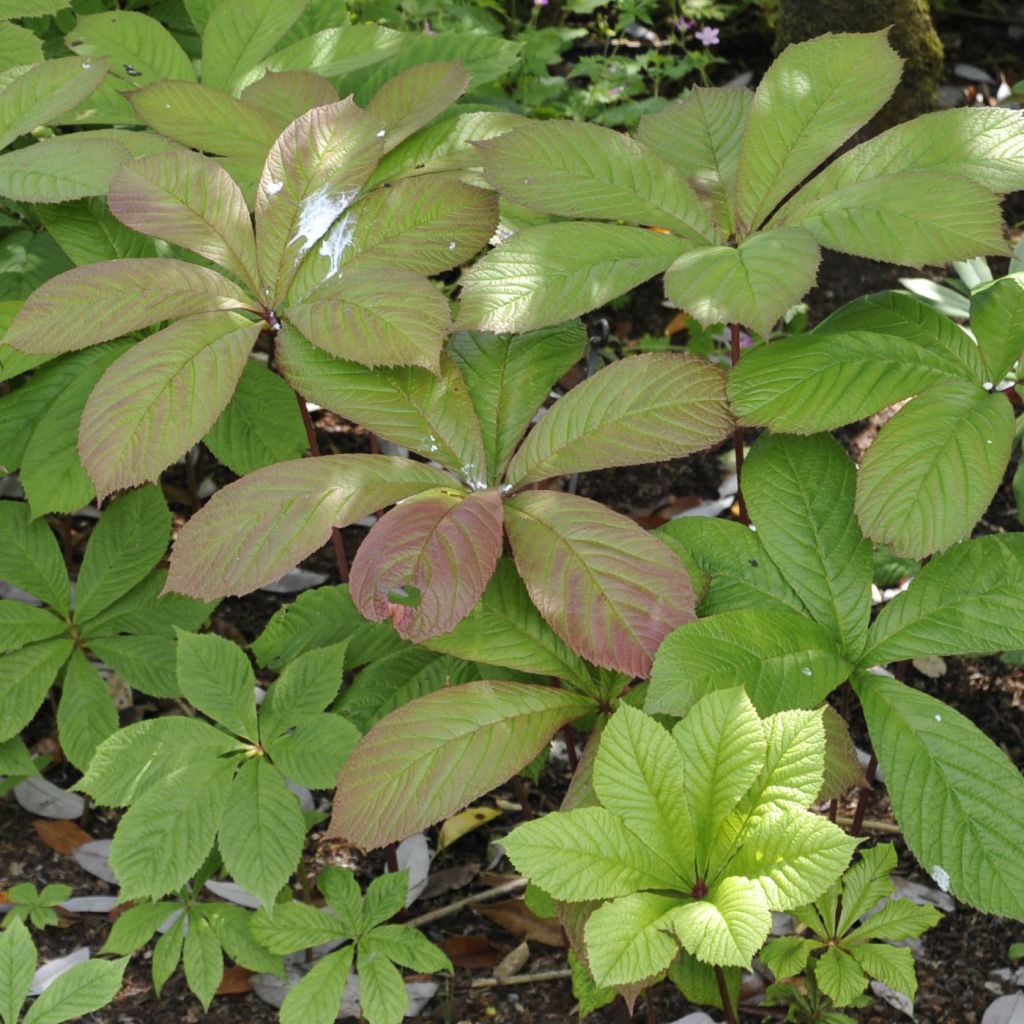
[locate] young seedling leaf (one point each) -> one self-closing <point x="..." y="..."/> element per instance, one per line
<point x="839" y="976"/>
<point x="727" y="927"/>
<point x="631" y="940"/>
<point x="215" y="676"/>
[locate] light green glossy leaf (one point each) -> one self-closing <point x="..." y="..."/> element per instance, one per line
<point x="339" y="51"/>
<point x="933" y="470"/>
<point x="405" y="763"/>
<point x="700" y="137"/>
<point x="236" y="543"/>
<point x="86" y="715"/>
<point x="86" y="987"/>
<point x="382" y="993"/>
<point x="45" y="91"/>
<point x="782" y="658"/>
<point x="839" y="976"/>
<point x="509" y="377"/>
<point x="416" y="96"/>
<point x="238" y="35"/>
<point x="262" y="831"/>
<point x="309" y="682"/>
<point x="951" y="787"/>
<point x="810" y="101"/>
<point x="203" y="962"/>
<point x="894" y="966"/>
<point x="125" y="546"/>
<point x="408" y="405"/>
<point x="964" y="601"/>
<point x="898" y="919"/>
<point x="572" y="169"/>
<point x="145" y="661"/>
<point x="753" y="284"/>
<point x="168" y="831"/>
<point x="89" y="233"/>
<point x="215" y="676"/>
<point x="647" y="409"/>
<point x="723" y="745"/>
<point x="30" y="557"/>
<point x="61" y="168"/>
<point x="261" y="424"/>
<point x="17" y="965"/>
<point x="800" y="492"/>
<point x="18" y="47"/>
<point x="315" y="751"/>
<point x="637" y="776"/>
<point x="398" y="318"/>
<point x="143" y="414"/>
<point x="189" y="199"/>
<point x="728" y="926"/>
<point x="997" y="319"/>
<point x="630" y="939"/>
<point x="806" y="384"/>
<point x="316" y="999"/>
<point x="606" y="587"/>
<point x="797" y="754"/>
<point x="95" y="303"/>
<point x="21" y="625"/>
<point x="545" y="275"/>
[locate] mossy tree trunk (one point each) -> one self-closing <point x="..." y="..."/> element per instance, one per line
<point x="912" y="34"/>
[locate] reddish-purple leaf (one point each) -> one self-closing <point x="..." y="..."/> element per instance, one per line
<point x="438" y="753"/>
<point x="100" y="301"/>
<point x="611" y="590"/>
<point x="258" y="528"/>
<point x="439" y="546"/>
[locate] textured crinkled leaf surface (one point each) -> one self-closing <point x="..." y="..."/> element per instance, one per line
<point x="726" y="928"/>
<point x="609" y="589"/>
<point x="406" y="765"/>
<point x="61" y="168"/>
<point x="631" y="938"/>
<point x="955" y="793"/>
<point x="416" y="96"/>
<point x="933" y="470"/>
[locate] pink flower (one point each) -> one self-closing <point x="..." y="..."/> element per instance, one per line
<point x="683" y="24"/>
<point x="707" y="36"/>
<point x="541" y="3"/>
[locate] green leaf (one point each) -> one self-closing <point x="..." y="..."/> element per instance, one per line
<point x="17" y="965"/>
<point x="45" y="91"/>
<point x="166" y="834"/>
<point x="315" y="751"/>
<point x="312" y="174"/>
<point x="18" y="47"/>
<point x="230" y="535"/>
<point x="215" y="676"/>
<point x="30" y="557"/>
<point x="15" y="759"/>
<point x="586" y="854"/>
<point x="723" y="746"/>
<point x="647" y="409"/>
<point x="797" y="754"/>
<point x="55" y="170"/>
<point x="87" y="231"/>
<point x="146" y="661"/>
<point x="806" y="384"/>
<point x="204" y="965"/>
<point x="866" y="883"/>
<point x="238" y="36"/>
<point x="810" y="101"/>
<point x="839" y="976"/>
<point x="340" y="50"/>
<point x="128" y="541"/>
<point x="143" y="415"/>
<point x="997" y="319"/>
<point x="955" y="439"/>
<point x="316" y="999"/>
<point x="286" y="95"/>
<point x="231" y="926"/>
<point x="385" y="897"/>
<point x="963" y="601"/>
<point x="752" y="284"/>
<point x="408" y="947"/>
<point x="636" y="777"/>
<point x="25" y="677"/>
<point x="345" y="898"/>
<point x="262" y="831"/>
<point x="950" y="787"/>
<point x="506" y="629"/>
<point x="296" y="926"/>
<point x="139" y="756"/>
<point x="627" y="595"/>
<point x="382" y="993"/>
<point x="404" y="765"/>
<point x="416" y="96"/>
<point x="21" y="625"/>
<point x="898" y="919"/>
<point x="95" y="303"/>
<point x="410" y="406"/>
<point x="189" y="199"/>
<point x="572" y="169"/>
<point x="440" y="545"/>
<point x="86" y="715"/>
<point x="700" y="137"/>
<point x="891" y="965"/>
<point x="727" y="927"/>
<point x="167" y="953"/>
<point x="783" y="658"/>
<point x="400" y="319"/>
<point x="261" y="424"/>
<point x="786" y="957"/>
<point x="585" y="990"/>
<point x="548" y="274"/>
<point x="81" y="990"/>
<point x="309" y="682"/>
<point x="630" y="939"/>
<point x="509" y="377"/>
<point x="800" y="492"/>
<point x="135" y="926"/>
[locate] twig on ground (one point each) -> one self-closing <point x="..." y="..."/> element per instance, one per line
<point x="516" y="885"/>
<point x="521" y="979"/>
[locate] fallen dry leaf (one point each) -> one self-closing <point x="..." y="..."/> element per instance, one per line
<point x="471" y="952"/>
<point x="236" y="980"/>
<point x="440" y="882"/>
<point x="464" y="822"/>
<point x="62" y="836"/>
<point x="514" y="962"/>
<point x="516" y="917"/>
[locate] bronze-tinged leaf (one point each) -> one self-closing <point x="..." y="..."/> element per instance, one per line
<point x="100" y="301"/>
<point x="436" y="551"/>
<point x="416" y="96"/>
<point x="610" y="590"/>
<point x="409" y="770"/>
<point x="286" y="95"/>
<point x="516" y="917"/>
<point x="258" y="528"/>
